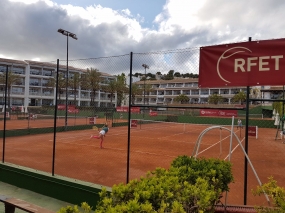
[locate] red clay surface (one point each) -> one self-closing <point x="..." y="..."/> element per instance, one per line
<point x="152" y="145"/>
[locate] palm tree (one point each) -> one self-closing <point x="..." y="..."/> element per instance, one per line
<point x="215" y="98"/>
<point x="148" y="89"/>
<point x="91" y="80"/>
<point x="121" y="88"/>
<point x="135" y="91"/>
<point x="183" y="99"/>
<point x="74" y="83"/>
<point x="61" y="84"/>
<point x="255" y="92"/>
<point x="111" y="88"/>
<point x="240" y="97"/>
<point x="11" y="80"/>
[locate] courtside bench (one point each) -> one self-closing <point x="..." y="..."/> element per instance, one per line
<point x="12" y="203"/>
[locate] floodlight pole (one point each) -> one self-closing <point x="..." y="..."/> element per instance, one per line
<point x="72" y="35"/>
<point x="145" y="67"/>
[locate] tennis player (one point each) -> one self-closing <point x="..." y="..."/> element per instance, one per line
<point x="239" y="124"/>
<point x="102" y="134"/>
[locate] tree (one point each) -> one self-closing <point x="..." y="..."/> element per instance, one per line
<point x="177" y="74"/>
<point x="12" y="79"/>
<point x="239" y="97"/>
<point x="91" y="80"/>
<point x="74" y="83"/>
<point x="255" y="92"/>
<point x="169" y="75"/>
<point x="135" y="91"/>
<point x="148" y="88"/>
<point x="111" y="88"/>
<point x="183" y="99"/>
<point x="279" y="108"/>
<point x="121" y="88"/>
<point x="215" y="98"/>
<point x="61" y="84"/>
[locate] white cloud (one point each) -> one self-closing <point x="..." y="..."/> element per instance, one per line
<point x="48" y="2"/>
<point x="182" y="13"/>
<point x="97" y="15"/>
<point x="104" y="31"/>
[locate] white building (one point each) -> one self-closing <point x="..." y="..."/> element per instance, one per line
<point x="32" y="89"/>
<point x="164" y="91"/>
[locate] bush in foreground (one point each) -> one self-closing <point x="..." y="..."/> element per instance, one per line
<point x="275" y="193"/>
<point x="189" y="185"/>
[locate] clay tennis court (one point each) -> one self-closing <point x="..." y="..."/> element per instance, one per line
<point x="151" y="145"/>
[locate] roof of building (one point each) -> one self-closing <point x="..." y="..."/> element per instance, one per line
<point x="12" y="61"/>
<point x="273" y="88"/>
<point x="52" y="64"/>
<point x="175" y="80"/>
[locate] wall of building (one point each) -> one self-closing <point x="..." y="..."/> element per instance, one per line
<point x="31" y="89"/>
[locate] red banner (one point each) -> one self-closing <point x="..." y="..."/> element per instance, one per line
<point x="61" y="107"/>
<point x="152" y="113"/>
<point x="243" y="64"/>
<point x="70" y="108"/>
<point x="126" y="109"/>
<point x="218" y="112"/>
<point x="73" y="110"/>
<point x="134" y="123"/>
<point x="252" y="131"/>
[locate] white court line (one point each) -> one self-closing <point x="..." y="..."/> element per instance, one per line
<point x="234" y="149"/>
<point x="213" y="145"/>
<point x="124" y="150"/>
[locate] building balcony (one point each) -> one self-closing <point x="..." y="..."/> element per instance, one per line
<point x="18" y="94"/>
<point x="35" y="93"/>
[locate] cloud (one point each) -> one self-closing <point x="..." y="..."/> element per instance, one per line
<point x="29" y="28"/>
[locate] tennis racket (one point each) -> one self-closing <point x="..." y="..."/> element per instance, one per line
<point x="95" y="128"/>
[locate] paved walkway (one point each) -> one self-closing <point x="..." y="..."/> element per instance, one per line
<point x="32" y="197"/>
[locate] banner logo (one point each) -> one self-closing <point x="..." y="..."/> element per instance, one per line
<point x="225" y="57"/>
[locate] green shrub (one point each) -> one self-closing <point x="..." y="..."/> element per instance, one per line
<point x="190" y="185"/>
<point x="69" y="209"/>
<point x="217" y="172"/>
<point x="276" y="193"/>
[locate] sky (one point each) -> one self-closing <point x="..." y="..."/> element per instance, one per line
<point x="111" y="27"/>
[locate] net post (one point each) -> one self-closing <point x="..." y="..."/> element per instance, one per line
<point x="256" y="132"/>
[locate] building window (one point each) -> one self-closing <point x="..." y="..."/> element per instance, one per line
<point x="35" y="71"/>
<point x="18" y="70"/>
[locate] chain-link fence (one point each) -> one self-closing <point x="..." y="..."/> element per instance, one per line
<point x="155" y="112"/>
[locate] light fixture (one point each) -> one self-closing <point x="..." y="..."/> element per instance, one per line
<point x="72" y="35"/>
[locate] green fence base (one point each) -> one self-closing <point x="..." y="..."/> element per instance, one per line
<point x="60" y="188"/>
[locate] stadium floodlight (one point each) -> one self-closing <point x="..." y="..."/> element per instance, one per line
<point x="72" y="35"/>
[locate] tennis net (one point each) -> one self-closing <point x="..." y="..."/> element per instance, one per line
<point x="251" y="115"/>
<point x="166" y="126"/>
<point x="51" y="117"/>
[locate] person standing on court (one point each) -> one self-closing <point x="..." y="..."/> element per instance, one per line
<point x="239" y="124"/>
<point x="101" y="135"/>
